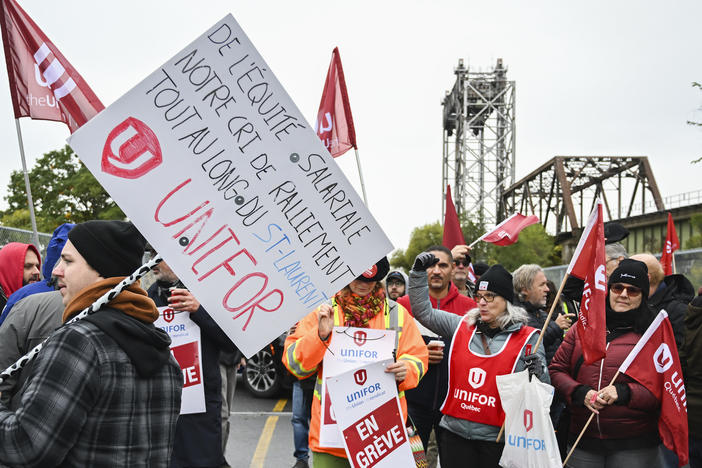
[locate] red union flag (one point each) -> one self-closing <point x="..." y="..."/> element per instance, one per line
<point x="43" y="84"/>
<point x="507" y="232"/>
<point x="334" y="124"/>
<point x="671" y="245"/>
<point x="588" y="264"/>
<point x="654" y="363"/>
<point x="453" y="235"/>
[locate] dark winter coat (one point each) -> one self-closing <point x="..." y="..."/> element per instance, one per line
<point x="553" y="336"/>
<point x="691" y="359"/>
<point x="630" y="425"/>
<point x="198" y="438"/>
<point x="673" y="295"/>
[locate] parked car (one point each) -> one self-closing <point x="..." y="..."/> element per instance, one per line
<point x="264" y="374"/>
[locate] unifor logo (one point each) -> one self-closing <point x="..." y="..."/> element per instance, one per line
<point x="168" y="314"/>
<point x="662" y="358"/>
<point x="131" y="150"/>
<point x="528" y="420"/>
<point x="370" y="273"/>
<point x="476" y="377"/>
<point x="359" y="337"/>
<point x="360" y="376"/>
<point x="53" y="72"/>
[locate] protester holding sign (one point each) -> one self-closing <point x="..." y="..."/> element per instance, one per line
<point x="488" y="341"/>
<point x="625" y="432"/>
<point x="198" y="437"/>
<point x="363" y="304"/>
<point x="105" y="390"/>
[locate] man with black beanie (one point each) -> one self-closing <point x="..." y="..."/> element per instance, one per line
<point x="104" y="391"/>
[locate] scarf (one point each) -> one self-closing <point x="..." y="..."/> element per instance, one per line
<point x="358" y="310"/>
<point x="132" y="301"/>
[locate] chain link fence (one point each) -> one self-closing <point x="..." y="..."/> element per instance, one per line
<point x="687" y="262"/>
<point x="8" y="234"/>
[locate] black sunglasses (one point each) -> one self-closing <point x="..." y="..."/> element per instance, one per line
<point x="463" y="261"/>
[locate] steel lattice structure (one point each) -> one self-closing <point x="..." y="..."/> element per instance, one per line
<point x="478" y="152"/>
<point x="562" y="191"/>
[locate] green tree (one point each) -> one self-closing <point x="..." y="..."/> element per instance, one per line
<point x="695" y="241"/>
<point x="63" y="190"/>
<point x="421" y="238"/>
<point x="535" y="245"/>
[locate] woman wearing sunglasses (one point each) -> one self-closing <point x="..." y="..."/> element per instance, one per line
<point x="490" y="340"/>
<point x="624" y="432"/>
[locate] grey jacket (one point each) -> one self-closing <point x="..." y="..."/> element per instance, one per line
<point x="29" y="323"/>
<point x="445" y="324"/>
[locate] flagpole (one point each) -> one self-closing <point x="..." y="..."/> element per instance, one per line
<point x="30" y="202"/>
<point x="541" y="335"/>
<point x="360" y="176"/>
<point x="592" y="415"/>
<point x="672" y="254"/>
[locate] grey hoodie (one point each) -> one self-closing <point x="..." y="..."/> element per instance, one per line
<point x="445" y="324"/>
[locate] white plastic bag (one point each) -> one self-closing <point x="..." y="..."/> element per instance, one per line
<point x="529" y="437"/>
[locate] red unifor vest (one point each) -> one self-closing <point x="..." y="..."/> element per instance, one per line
<point x="472" y="392"/>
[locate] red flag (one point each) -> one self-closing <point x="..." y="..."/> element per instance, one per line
<point x="588" y="264"/>
<point x="655" y="364"/>
<point x="43" y="84"/>
<point x="334" y="124"/>
<point x="507" y="232"/>
<point x="671" y="245"/>
<point x="453" y="235"/>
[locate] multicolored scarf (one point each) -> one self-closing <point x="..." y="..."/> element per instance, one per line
<point x="358" y="310"/>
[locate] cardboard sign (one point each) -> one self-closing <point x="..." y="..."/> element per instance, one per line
<point x="185" y="346"/>
<point x="369" y="416"/>
<point x="349" y="348"/>
<point x="216" y="166"/>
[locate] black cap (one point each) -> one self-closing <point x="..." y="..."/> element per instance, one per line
<point x="631" y="272"/>
<point x="480" y="268"/>
<point x="376" y="272"/>
<point x="395" y="274"/>
<point x="614" y="232"/>
<point x="497" y="280"/>
<point x="112" y="248"/>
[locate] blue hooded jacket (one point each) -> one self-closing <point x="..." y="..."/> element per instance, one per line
<point x="53" y="253"/>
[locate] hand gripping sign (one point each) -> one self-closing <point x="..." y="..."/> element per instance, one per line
<point x="529" y="437"/>
<point x="369" y="417"/>
<point x="185" y="346"/>
<point x="214" y="163"/>
<point x="349" y="348"/>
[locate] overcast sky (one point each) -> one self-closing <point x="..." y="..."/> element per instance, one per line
<point x="596" y="78"/>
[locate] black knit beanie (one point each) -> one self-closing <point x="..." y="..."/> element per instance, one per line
<point x="631" y="272"/>
<point x="112" y="248"/>
<point x="377" y="272"/>
<point x="497" y="280"/>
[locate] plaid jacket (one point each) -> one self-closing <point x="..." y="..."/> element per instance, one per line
<point x="85" y="405"/>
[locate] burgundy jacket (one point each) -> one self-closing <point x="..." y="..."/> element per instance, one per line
<point x="639" y="417"/>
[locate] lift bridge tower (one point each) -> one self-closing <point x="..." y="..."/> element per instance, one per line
<point x="478" y="153"/>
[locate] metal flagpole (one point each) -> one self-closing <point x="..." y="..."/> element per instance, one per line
<point x="32" y="217"/>
<point x="360" y="176"/>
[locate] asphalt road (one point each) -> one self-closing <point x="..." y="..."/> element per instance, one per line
<point x="260" y="433"/>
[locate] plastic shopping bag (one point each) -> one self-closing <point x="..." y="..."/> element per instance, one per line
<point x="529" y="437"/>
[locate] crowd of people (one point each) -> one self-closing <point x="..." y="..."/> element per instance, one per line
<point x="106" y="390"/>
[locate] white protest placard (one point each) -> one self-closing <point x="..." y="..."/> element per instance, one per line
<point x="185" y="347"/>
<point x="370" y="418"/>
<point x="216" y="166"/>
<point x="348" y="349"/>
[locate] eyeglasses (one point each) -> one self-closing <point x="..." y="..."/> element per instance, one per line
<point x="487" y="297"/>
<point x="463" y="261"/>
<point x="631" y="291"/>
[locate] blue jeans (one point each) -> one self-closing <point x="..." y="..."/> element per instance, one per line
<point x="301" y="408"/>
<point x="632" y="458"/>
